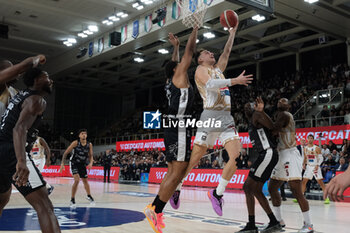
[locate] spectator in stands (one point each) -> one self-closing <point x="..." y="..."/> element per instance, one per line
<point x="342" y="154"/>
<point x="124" y="170"/>
<point x="325" y="114"/>
<point x="347" y="117"/>
<point x="325" y="151"/>
<point x="335" y="156"/>
<point x="342" y="165"/>
<point x="329" y="162"/>
<point x="161" y="161"/>
<point x="216" y="164"/>
<point x="146" y="167"/>
<point x="242" y="160"/>
<point x="332" y="146"/>
<point x="344" y="146"/>
<point x="206" y="164"/>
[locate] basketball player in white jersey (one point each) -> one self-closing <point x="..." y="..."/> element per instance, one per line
<point x="213" y="88"/>
<point x="10" y="72"/>
<point x="312" y="161"/>
<point x="40" y="148"/>
<point x="289" y="166"/>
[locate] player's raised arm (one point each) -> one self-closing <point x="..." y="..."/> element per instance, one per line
<point x="176" y="44"/>
<point x="11" y="72"/>
<point x="189" y="51"/>
<point x="260" y="117"/>
<point x="223" y="60"/>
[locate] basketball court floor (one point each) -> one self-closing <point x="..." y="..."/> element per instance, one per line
<point x="119" y="208"/>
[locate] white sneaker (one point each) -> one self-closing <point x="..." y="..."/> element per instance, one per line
<point x="72" y="205"/>
<point x="307" y="228"/>
<point x="91" y="200"/>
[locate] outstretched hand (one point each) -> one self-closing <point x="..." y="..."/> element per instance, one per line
<point x="234" y="29"/>
<point x="259" y="104"/>
<point x="243" y="79"/>
<point x="336" y="187"/>
<point x="173" y="39"/>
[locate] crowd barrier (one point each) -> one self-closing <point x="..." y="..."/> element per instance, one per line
<point x="93" y="173"/>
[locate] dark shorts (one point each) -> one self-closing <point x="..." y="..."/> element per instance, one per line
<point x="177" y="144"/>
<point x="262" y="168"/>
<point x="78" y="168"/>
<point x="8" y="163"/>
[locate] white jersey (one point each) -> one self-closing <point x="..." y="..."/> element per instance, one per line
<point x="217" y="99"/>
<point x="38" y="151"/>
<point x="311" y="154"/>
<point x="286" y="138"/>
<point x="5" y="97"/>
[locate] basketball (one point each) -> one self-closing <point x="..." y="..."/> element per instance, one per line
<point x="229" y="19"/>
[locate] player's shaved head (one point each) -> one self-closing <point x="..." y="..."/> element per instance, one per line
<point x="283" y="104"/>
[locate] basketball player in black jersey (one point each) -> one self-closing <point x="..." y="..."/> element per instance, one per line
<point x="177" y="140"/>
<point x="17" y="136"/>
<point x="82" y="151"/>
<point x="264" y="143"/>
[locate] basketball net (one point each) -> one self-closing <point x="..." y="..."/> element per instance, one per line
<point x="193" y="12"/>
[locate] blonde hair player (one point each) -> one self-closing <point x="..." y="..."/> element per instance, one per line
<point x="40" y="148"/>
<point x="213" y="88"/>
<point x="312" y="161"/>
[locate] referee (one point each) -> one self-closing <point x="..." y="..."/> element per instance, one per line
<point x="107" y="163"/>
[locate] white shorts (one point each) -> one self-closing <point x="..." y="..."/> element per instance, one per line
<point x="289" y="166"/>
<point x="40" y="163"/>
<point x="208" y="135"/>
<point x="310" y="172"/>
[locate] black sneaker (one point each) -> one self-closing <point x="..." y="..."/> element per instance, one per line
<point x="272" y="227"/>
<point x="249" y="228"/>
<point x="49" y="190"/>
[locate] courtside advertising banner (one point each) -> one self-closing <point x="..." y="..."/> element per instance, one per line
<point x="328" y="133"/>
<point x="202" y="177"/>
<point x="93" y="173"/>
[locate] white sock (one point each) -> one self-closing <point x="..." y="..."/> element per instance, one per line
<point x="179" y="186"/>
<point x="222" y="186"/>
<point x="307" y="219"/>
<point x="277" y="212"/>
